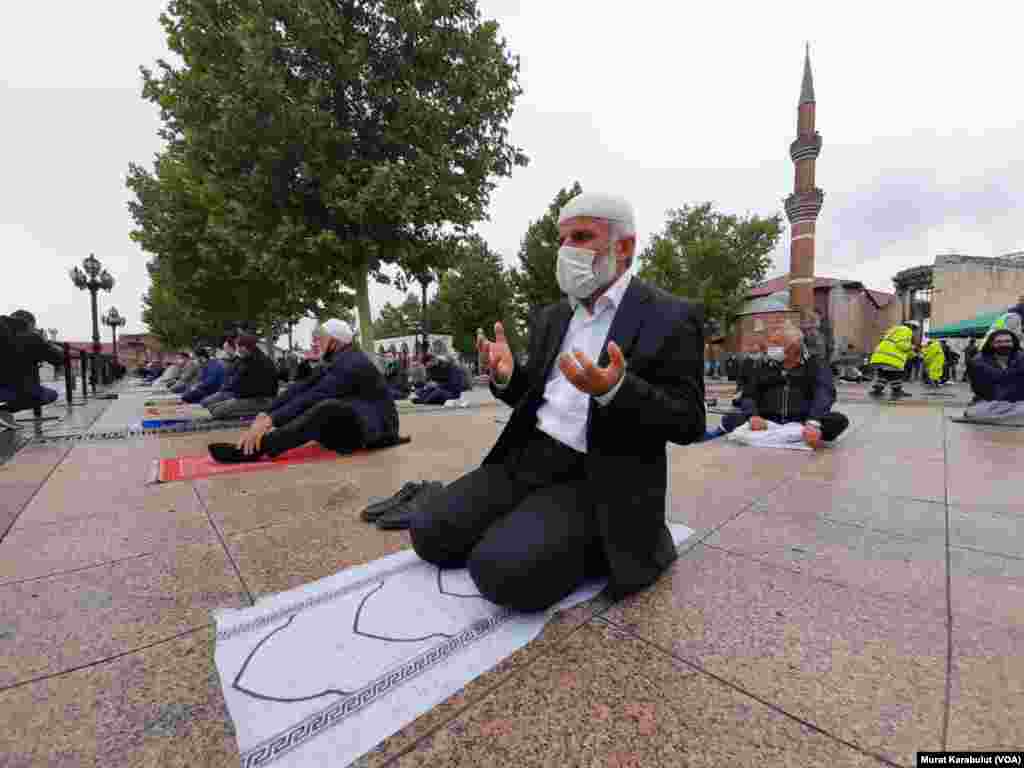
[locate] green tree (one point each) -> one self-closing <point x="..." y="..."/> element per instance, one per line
<point x="711" y="257"/>
<point x="476" y="293"/>
<point x="312" y="142"/>
<point x="533" y="280"/>
<point x="174" y="324"/>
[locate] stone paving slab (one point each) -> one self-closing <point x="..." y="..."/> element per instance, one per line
<point x="160" y="706"/>
<point x="867" y="670"/>
<point x="818" y="594"/>
<point x="64" y="622"/>
<point x="987" y="687"/>
<point x="606" y="698"/>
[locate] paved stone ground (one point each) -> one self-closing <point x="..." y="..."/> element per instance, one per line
<point x="849" y="607"/>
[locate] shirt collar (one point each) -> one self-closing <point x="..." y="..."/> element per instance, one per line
<point x="614" y="293"/>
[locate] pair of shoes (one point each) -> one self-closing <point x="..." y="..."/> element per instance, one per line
<point x="400" y="518"/>
<point x="876" y="391"/>
<point x="379" y="508"/>
<point x="7" y="421"/>
<point x="229" y="453"/>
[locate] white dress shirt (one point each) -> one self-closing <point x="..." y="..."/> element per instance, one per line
<point x="563" y="414"/>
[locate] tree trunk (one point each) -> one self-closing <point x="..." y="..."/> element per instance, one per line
<point x="362" y="288"/>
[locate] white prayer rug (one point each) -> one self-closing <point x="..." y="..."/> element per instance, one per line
<point x="776" y="435"/>
<point x="321" y="674"/>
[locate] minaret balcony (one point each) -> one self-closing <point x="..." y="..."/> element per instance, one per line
<point x="804" y="206"/>
<point x="805" y="147"/>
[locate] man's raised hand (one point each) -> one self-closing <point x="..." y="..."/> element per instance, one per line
<point x="497" y="353"/>
<point x="587" y="377"/>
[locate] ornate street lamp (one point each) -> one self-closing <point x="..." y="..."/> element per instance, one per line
<point x="93" y="279"/>
<point x="114" y="320"/>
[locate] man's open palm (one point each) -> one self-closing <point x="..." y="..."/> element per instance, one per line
<point x="587" y="377"/>
<point x="497" y="353"/>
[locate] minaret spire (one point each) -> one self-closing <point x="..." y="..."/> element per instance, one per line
<point x="807" y="88"/>
<point x="803" y="206"/>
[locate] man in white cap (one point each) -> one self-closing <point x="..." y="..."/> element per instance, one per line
<point x="575" y="486"/>
<point x="345" y="406"/>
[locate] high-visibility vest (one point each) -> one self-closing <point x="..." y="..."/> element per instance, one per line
<point x="894" y="348"/>
<point x="934" y="360"/>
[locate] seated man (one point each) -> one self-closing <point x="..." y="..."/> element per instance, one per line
<point x="446" y="383"/>
<point x="891" y="356"/>
<point x="252" y="386"/>
<point x="575" y="486"/>
<point x="189" y="375"/>
<point x="25" y="349"/>
<point x="211" y="378"/>
<point x="170" y="373"/>
<point x="345" y="406"/>
<point x="180" y="361"/>
<point x="996" y="373"/>
<point x="800" y="390"/>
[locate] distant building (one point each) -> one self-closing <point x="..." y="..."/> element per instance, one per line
<point x="853" y="313"/>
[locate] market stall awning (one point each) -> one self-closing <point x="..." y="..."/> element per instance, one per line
<point x="976" y="327"/>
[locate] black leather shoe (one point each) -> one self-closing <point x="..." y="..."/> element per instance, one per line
<point x="228" y="453"/>
<point x="379" y="508"/>
<point x="400" y="518"/>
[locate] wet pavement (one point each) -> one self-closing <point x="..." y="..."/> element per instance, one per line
<point x="846" y="607"/>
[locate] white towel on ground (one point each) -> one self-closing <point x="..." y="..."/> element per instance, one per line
<point x="321" y="674"/>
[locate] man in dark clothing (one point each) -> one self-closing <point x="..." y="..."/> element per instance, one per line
<point x="251" y="385"/>
<point x="752" y="361"/>
<point x="24" y="350"/>
<point x="345" y="406"/>
<point x="969" y="352"/>
<point x="446" y="383"/>
<point x="799" y="390"/>
<point x="997" y="371"/>
<point x="211" y="377"/>
<point x="575" y="486"/>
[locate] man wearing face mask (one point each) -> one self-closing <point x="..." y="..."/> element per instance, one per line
<point x="996" y="374"/>
<point x="575" y="486"/>
<point x="250" y="387"/>
<point x="793" y="387"/>
<point x="211" y="377"/>
<point x="890" y="358"/>
<point x="346" y="405"/>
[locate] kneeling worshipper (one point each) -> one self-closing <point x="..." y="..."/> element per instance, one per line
<point x="996" y="375"/>
<point x="575" y="487"/>
<point x="796" y="390"/>
<point x="211" y="377"/>
<point x="344" y="406"/>
<point x="251" y="385"/>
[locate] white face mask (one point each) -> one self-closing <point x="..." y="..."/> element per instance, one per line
<point x="775" y="354"/>
<point x="578" y="274"/>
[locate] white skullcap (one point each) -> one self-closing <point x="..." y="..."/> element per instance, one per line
<point x="338" y="329"/>
<point x="598" y="206"/>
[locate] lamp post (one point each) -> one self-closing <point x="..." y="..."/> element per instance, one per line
<point x="114" y="320"/>
<point x="93" y="279"/>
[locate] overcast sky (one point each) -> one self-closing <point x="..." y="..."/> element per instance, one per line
<point x="667" y="103"/>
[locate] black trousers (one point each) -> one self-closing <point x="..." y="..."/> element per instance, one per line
<point x="524" y="529"/>
<point x="832" y="423"/>
<point x="332" y="423"/>
<point x="26" y="399"/>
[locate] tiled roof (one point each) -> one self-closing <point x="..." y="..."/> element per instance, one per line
<point x="881" y="298"/>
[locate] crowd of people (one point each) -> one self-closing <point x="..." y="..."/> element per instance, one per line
<point x="610" y="376"/>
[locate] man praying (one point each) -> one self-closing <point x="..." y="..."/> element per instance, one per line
<point x="575" y="486"/>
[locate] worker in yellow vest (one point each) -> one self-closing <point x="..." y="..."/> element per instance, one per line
<point x="934" y="363"/>
<point x="890" y="358"/>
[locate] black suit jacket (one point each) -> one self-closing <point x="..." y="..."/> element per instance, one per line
<point x="661" y="400"/>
